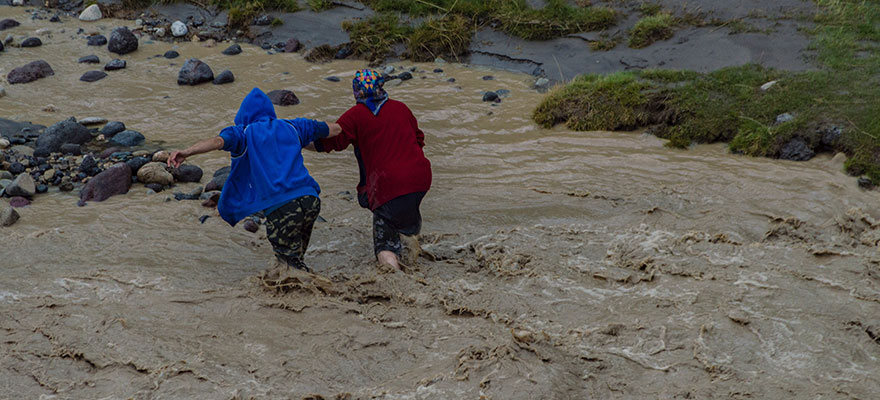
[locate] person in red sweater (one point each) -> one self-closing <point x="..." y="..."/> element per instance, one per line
<point x="394" y="173"/>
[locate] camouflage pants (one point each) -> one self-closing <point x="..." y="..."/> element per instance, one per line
<point x="289" y="229"/>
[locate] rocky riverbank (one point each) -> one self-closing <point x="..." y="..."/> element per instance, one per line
<point x="706" y="35"/>
<point x="99" y="159"/>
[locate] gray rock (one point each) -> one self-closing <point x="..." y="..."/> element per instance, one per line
<point x="122" y="41"/>
<point x="97" y="40"/>
<point x="405" y="76"/>
<point x="136" y="163"/>
<point x="29" y="72"/>
<point x="71" y="148"/>
<point x="187" y="173"/>
<point x="32" y="42"/>
<point x="222" y="171"/>
<point x="796" y="150"/>
<point x="91" y="13"/>
<point x="388" y="70"/>
<point x="283" y="98"/>
<point x="179" y="29"/>
<point x="783" y="118"/>
<point x="93" y="121"/>
<point x="7" y="176"/>
<point x="830" y="136"/>
<point x="232" y="50"/>
<point x="8" y="23"/>
<point x="194" y="72"/>
<point x="8" y="215"/>
<point x="112" y="128"/>
<point x="170" y="54"/>
<point x="765" y="87"/>
<point x="491" y="97"/>
<point x="23" y="186"/>
<point x="865" y="183"/>
<point x="112" y="181"/>
<point x="217" y="183"/>
<point x="114" y="65"/>
<point x="127" y="138"/>
<point x="67" y="131"/>
<point x="93" y="76"/>
<point x="155" y="172"/>
<point x="225" y="77"/>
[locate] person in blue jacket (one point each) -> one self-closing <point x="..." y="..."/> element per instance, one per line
<point x="268" y="173"/>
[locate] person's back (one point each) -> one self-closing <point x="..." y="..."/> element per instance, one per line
<point x="268" y="174"/>
<point x="394" y="173"/>
<point x="389" y="146"/>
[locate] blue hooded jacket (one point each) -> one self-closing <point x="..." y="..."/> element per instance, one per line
<point x="267" y="162"/>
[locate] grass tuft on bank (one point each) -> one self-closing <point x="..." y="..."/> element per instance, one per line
<point x="834" y="108"/>
<point x="651" y="29"/>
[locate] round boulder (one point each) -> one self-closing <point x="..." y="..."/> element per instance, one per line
<point x="122" y="41"/>
<point x="171" y="54"/>
<point x="179" y="29"/>
<point x="97" y="40"/>
<point x="32" y="42"/>
<point x="127" y="138"/>
<point x="67" y="131"/>
<point x="112" y="128"/>
<point x="194" y="72"/>
<point x="91" y="13"/>
<point x="23" y="186"/>
<point x="29" y="72"/>
<point x="283" y="98"/>
<point x="92" y="59"/>
<point x="155" y="172"/>
<point x="112" y="181"/>
<point x="187" y="173"/>
<point x="114" y="65"/>
<point x="93" y="76"/>
<point x="8" y="23"/>
<point x="224" y="77"/>
<point x="8" y="215"/>
<point x="232" y="50"/>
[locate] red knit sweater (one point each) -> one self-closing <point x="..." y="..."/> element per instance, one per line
<point x="389" y="150"/>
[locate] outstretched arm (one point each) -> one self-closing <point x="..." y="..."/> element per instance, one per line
<point x="334" y="130"/>
<point x="203" y="146"/>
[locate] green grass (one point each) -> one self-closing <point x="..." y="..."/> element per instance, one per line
<point x="373" y="38"/>
<point x="515" y="17"/>
<point x="649" y="9"/>
<point x="728" y="105"/>
<point x="447" y="37"/>
<point x="320" y="5"/>
<point x="651" y="29"/>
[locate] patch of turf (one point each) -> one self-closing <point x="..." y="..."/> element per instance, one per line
<point x="447" y="37"/>
<point x="651" y="29"/>
<point x="320" y="5"/>
<point x="373" y="38"/>
<point x="515" y="17"/>
<point x="834" y="108"/>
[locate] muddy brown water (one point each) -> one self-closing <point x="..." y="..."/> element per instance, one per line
<point x="569" y="265"/>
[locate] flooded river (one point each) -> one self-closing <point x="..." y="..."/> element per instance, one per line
<point x="568" y="265"/>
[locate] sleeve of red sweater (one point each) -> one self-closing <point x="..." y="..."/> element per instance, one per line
<point x="420" y="136"/>
<point x="341" y="141"/>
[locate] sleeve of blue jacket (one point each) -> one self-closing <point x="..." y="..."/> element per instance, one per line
<point x="309" y="130"/>
<point x="234" y="140"/>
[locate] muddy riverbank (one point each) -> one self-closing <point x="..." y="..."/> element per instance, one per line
<point x="566" y="264"/>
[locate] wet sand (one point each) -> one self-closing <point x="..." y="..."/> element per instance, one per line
<point x="567" y="265"/>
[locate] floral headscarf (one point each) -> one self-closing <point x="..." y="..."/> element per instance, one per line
<point x="367" y="87"/>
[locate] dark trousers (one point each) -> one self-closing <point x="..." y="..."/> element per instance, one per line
<point x="289" y="229"/>
<point x="398" y="216"/>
